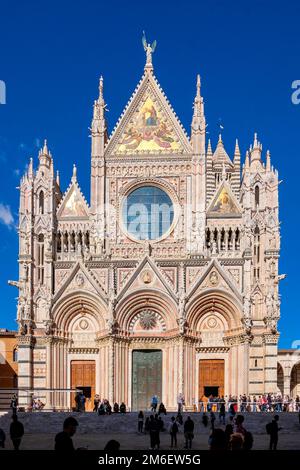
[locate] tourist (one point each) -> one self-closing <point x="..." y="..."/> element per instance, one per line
<point x="180" y="402"/>
<point x="108" y="408"/>
<point x="248" y="441"/>
<point x="179" y="418"/>
<point x="239" y="428"/>
<point x="162" y="409"/>
<point x="212" y="420"/>
<point x="63" y="440"/>
<point x="112" y="446"/>
<point x="160" y="423"/>
<point x="77" y="401"/>
<point x="228" y="434"/>
<point x="101" y="409"/>
<point x="116" y="408"/>
<point x="14" y="403"/>
<point x="236" y="441"/>
<point x="173" y="430"/>
<point x="122" y="408"/>
<point x="82" y="402"/>
<point x="217" y="440"/>
<point x="222" y="413"/>
<point x="16" y="432"/>
<point x="154" y="403"/>
<point x="96" y="403"/>
<point x="272" y="429"/>
<point x="147" y="425"/>
<point x="140" y="421"/>
<point x="2" y="438"/>
<point x="188" y="432"/>
<point x="205" y="419"/>
<point x="154" y="433"/>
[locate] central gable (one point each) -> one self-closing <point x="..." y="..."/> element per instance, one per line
<point x="148" y="125"/>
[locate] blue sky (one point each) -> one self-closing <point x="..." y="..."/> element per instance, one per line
<point x="52" y="54"/>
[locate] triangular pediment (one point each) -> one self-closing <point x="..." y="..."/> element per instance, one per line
<point x="224" y="203"/>
<point x="147" y="276"/>
<point x="148" y="124"/>
<point x="73" y="204"/>
<point x="80" y="279"/>
<point x="214" y="277"/>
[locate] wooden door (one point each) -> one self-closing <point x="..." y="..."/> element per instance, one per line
<point x="146" y="378"/>
<point x="83" y="377"/>
<point x="211" y="375"/>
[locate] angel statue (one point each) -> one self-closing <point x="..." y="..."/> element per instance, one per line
<point x="149" y="49"/>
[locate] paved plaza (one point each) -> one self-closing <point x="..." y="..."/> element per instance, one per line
<point x="94" y="431"/>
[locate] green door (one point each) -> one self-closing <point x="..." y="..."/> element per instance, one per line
<point x="146" y="378"/>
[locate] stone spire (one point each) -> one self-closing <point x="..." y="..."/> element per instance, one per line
<point x="99" y="128"/>
<point x="45" y="156"/>
<point x="268" y="161"/>
<point x="255" y="151"/>
<point x="198" y="121"/>
<point x="74" y="176"/>
<point x="236" y="177"/>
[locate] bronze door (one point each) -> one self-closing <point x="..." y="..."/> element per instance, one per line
<point x="211" y="377"/>
<point x="146" y="378"/>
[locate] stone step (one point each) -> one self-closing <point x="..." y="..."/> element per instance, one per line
<point x="49" y="422"/>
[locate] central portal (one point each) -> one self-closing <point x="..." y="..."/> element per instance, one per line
<point x="83" y="378"/>
<point x="211" y="377"/>
<point x="146" y="378"/>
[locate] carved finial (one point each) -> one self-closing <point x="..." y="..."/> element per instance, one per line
<point x="45" y="148"/>
<point x="74" y="177"/>
<point x="255" y="143"/>
<point x="149" y="49"/>
<point x="209" y="149"/>
<point x="198" y="86"/>
<point x="237" y="148"/>
<point x="57" y="178"/>
<point x="101" y="88"/>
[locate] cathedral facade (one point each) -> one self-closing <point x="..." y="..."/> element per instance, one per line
<point x="166" y="282"/>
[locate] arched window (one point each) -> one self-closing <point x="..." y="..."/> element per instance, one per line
<point x="15" y="355"/>
<point x="256" y="252"/>
<point x="41" y="202"/>
<point x="40" y="259"/>
<point x="256" y="196"/>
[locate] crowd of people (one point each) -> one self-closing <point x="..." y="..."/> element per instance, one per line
<point x="274" y="403"/>
<point x="103" y="407"/>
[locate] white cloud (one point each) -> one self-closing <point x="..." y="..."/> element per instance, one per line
<point x="6" y="216"/>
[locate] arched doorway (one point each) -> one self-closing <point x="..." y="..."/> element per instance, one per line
<point x="295" y="380"/>
<point x="280" y="379"/>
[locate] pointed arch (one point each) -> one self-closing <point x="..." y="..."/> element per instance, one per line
<point x="214" y="300"/>
<point x="147" y="299"/>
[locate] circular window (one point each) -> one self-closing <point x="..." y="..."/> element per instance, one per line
<point x="147" y="213"/>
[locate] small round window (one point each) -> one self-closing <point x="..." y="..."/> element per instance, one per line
<point x="147" y="213"/>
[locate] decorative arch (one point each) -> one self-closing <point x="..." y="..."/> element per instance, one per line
<point x="280" y="378"/>
<point x="71" y="307"/>
<point x="130" y="309"/>
<point x="295" y="380"/>
<point x="217" y="302"/>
